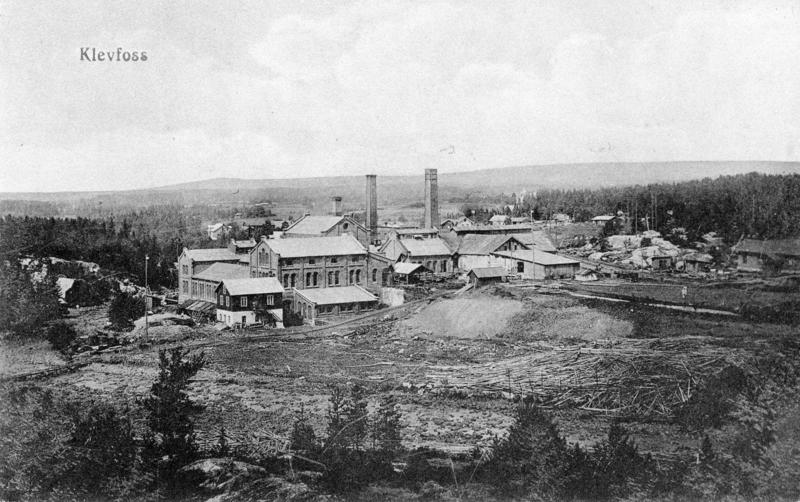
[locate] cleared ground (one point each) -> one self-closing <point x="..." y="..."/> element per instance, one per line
<point x="454" y="366"/>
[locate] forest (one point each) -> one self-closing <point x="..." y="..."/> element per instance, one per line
<point x="750" y="205"/>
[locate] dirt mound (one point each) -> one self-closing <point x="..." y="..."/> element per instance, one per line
<point x="476" y="316"/>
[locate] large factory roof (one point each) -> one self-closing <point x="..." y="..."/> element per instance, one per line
<point x="316" y="246"/>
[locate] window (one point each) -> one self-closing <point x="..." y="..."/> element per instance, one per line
<point x="334" y="260"/>
<point x="444" y="266"/>
<point x="308" y="279"/>
<point x="346" y="226"/>
<point x="744" y="258"/>
<point x="352" y="274"/>
<point x="520" y="267"/>
<point x="227" y="301"/>
<point x="336" y="277"/>
<point x="243" y="301"/>
<point x="330" y="278"/>
<point x="186" y="286"/>
<point x="312" y="262"/>
<point x="374" y="275"/>
<point x="316" y="277"/>
<point x="269" y="299"/>
<point x="185" y="269"/>
<point x="285" y="280"/>
<point x="358" y="276"/>
<point x="288" y="262"/>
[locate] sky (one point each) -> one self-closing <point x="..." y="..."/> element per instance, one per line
<point x="279" y="89"/>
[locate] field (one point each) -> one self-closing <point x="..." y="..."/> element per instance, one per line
<point x="455" y="366"/>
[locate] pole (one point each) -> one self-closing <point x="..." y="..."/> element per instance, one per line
<point x="533" y="250"/>
<point x="146" y="297"/>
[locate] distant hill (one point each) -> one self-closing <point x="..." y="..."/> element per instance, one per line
<point x="313" y="193"/>
<point x="509" y="179"/>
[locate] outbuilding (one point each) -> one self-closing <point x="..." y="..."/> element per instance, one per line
<point x="533" y="264"/>
<point x="487" y="275"/>
<point x="408" y="273"/>
<point x="328" y="302"/>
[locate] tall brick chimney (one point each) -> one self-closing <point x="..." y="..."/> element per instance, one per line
<point x="372" y="208"/>
<point x="336" y="205"/>
<point x="431" y="198"/>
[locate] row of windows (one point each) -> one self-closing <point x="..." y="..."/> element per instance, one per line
<point x="313" y="279"/>
<point x="226" y="300"/>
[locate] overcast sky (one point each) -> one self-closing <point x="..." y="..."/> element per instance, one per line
<point x="287" y="89"/>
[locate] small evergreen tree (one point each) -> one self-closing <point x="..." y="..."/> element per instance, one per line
<point x="169" y="411"/>
<point x="124" y="309"/>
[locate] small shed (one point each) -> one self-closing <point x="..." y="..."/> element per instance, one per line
<point x="586" y="275"/>
<point x="697" y="262"/>
<point x="487" y="275"/>
<point x="409" y="273"/>
<point x="661" y="262"/>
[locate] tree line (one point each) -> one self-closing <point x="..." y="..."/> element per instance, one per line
<point x="752" y="205"/>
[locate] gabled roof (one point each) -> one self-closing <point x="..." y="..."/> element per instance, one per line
<point x="699" y="257"/>
<point x="426" y="247"/>
<point x="214" y="254"/>
<point x="482" y="244"/>
<point x="220" y="271"/>
<point x="333" y="296"/>
<point x="777" y="247"/>
<point x="313" y="225"/>
<point x="539" y="239"/>
<point x="406" y="268"/>
<point x="252" y="286"/>
<point x="215" y="227"/>
<point x="538" y="257"/>
<point x="316" y="246"/>
<point x="451" y="239"/>
<point x="488" y="272"/>
<point x="498" y="217"/>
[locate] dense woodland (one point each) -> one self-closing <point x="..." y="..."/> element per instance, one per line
<point x="750" y="205"/>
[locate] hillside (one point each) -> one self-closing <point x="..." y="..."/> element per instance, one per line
<point x="314" y="192"/>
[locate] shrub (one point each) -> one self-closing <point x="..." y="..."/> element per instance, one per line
<point x="712" y="404"/>
<point x="61" y="336"/>
<point x="124" y="309"/>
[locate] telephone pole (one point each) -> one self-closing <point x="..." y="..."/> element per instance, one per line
<point x="146" y="298"/>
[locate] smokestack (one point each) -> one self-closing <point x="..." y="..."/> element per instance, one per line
<point x="431" y="198"/>
<point x="372" y="208"/>
<point x="336" y="205"/>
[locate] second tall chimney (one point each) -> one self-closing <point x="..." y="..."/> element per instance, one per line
<point x="372" y="208"/>
<point x="336" y="205"/>
<point x="431" y="198"/>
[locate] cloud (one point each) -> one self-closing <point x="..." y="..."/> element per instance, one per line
<point x="385" y="86"/>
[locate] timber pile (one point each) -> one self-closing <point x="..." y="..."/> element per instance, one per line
<point x="647" y="378"/>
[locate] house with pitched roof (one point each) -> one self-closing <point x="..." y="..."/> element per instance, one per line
<point x="434" y="252"/>
<point x="769" y="255"/>
<point x="475" y="250"/>
<point x="535" y="264"/>
<point x="249" y="301"/>
<point x="327" y="226"/>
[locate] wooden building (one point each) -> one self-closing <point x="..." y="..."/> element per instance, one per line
<point x="434" y="253"/>
<point x="248" y="301"/>
<point x="408" y="273"/>
<point x="538" y="265"/>
<point x="773" y="256"/>
<point x="475" y="250"/>
<point x="488" y="275"/>
<point x="314" y="303"/>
